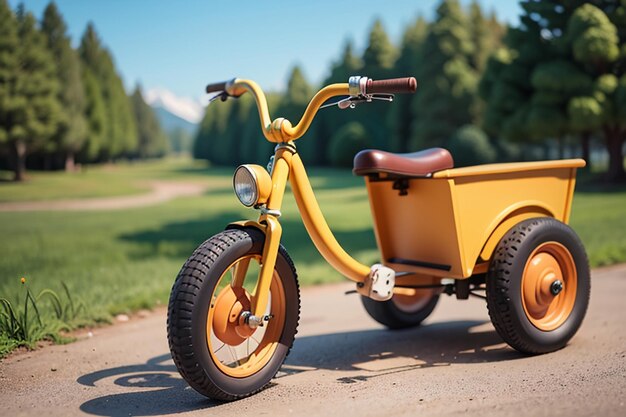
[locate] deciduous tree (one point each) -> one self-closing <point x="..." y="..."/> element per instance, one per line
<point x="560" y="75"/>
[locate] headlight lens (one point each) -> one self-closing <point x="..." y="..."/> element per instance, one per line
<point x="245" y="186"/>
<point x="252" y="184"/>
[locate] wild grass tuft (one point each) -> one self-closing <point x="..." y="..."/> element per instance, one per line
<point x="23" y="324"/>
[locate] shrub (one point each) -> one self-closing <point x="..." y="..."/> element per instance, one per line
<point x="470" y="146"/>
<point x="346" y="142"/>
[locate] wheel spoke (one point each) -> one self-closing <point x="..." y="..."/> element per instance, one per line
<point x="232" y="353"/>
<point x="219" y="348"/>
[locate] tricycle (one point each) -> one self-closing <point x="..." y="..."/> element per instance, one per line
<point x="496" y="231"/>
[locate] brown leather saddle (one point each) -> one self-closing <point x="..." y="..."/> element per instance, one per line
<point x="415" y="164"/>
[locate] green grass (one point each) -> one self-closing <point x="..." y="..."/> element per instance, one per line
<point x="22" y="324"/>
<point x="125" y="260"/>
<point x="599" y="218"/>
<point x="102" y="181"/>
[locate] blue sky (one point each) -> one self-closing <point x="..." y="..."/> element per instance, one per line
<point x="182" y="45"/>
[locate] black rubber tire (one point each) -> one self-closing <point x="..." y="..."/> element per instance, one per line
<point x="188" y="312"/>
<point x="504" y="285"/>
<point x="389" y="314"/>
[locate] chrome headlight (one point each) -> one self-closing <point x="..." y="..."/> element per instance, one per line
<point x="252" y="185"/>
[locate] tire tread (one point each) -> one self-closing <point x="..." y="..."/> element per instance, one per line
<point x="185" y="291"/>
<point x="502" y="277"/>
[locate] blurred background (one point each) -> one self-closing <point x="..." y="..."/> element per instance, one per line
<point x="102" y="101"/>
<point x="499" y="81"/>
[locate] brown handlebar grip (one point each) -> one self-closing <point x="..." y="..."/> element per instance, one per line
<point x="216" y="87"/>
<point x="392" y="86"/>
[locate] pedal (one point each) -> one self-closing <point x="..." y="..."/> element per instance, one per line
<point x="379" y="284"/>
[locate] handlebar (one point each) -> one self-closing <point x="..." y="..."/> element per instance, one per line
<point x="280" y="129"/>
<point x="392" y="86"/>
<point x="216" y="87"/>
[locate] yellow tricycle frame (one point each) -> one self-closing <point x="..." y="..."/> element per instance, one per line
<point x="446" y="226"/>
<point x="289" y="167"/>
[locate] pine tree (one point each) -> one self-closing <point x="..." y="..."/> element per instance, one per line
<point x="254" y="148"/>
<point x="408" y="65"/>
<point x="123" y="140"/>
<point x="446" y="99"/>
<point x="9" y="68"/>
<point x="95" y="111"/>
<point x="379" y="58"/>
<point x="152" y="142"/>
<point x="118" y="136"/>
<point x="328" y="121"/>
<point x="209" y="143"/>
<point x="233" y="137"/>
<point x="380" y="55"/>
<point x="32" y="108"/>
<point x="486" y="34"/>
<point x="297" y="96"/>
<point x="348" y="65"/>
<point x="200" y="148"/>
<point x="72" y="130"/>
<point x="292" y="106"/>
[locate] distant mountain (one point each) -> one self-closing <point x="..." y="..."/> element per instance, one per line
<point x="174" y="111"/>
<point x="170" y="122"/>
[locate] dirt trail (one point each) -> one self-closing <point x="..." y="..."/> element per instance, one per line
<point x="344" y="364"/>
<point x="161" y="191"/>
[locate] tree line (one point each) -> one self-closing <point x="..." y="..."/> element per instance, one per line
<point x="60" y="105"/>
<point x="486" y="91"/>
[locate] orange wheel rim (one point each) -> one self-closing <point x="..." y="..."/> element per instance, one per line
<point x="236" y="349"/>
<point x="549" y="286"/>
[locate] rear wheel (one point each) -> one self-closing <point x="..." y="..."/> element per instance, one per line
<point x="213" y="347"/>
<point x="538" y="285"/>
<point x="402" y="311"/>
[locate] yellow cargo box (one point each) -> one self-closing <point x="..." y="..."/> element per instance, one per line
<point x="448" y="225"/>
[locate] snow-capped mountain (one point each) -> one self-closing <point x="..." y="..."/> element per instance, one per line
<point x="170" y="122"/>
<point x="186" y="108"/>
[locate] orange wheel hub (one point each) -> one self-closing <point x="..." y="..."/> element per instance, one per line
<point x="549" y="286"/>
<point x="235" y="348"/>
<point x="228" y="323"/>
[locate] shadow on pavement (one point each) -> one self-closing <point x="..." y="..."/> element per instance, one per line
<point x="373" y="352"/>
<point x="158" y="372"/>
<point x="381" y="352"/>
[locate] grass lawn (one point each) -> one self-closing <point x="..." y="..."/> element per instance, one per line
<point x="124" y="260"/>
<point x="110" y="180"/>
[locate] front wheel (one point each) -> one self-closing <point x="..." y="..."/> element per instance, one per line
<point x="538" y="285"/>
<point x="215" y="351"/>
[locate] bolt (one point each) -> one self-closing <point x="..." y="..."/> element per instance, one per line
<point x="556" y="287"/>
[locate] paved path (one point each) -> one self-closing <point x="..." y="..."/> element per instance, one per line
<point x="161" y="191"/>
<point x="344" y="364"/>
